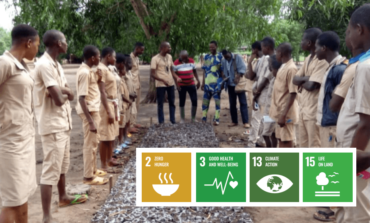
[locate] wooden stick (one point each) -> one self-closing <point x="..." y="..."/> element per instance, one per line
<point x="110" y="183"/>
<point x="151" y="121"/>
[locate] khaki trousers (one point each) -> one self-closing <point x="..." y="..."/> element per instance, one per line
<point x="255" y="132"/>
<point x="91" y="142"/>
<point x="250" y="105"/>
<point x="56" y="147"/>
<point x="327" y="136"/>
<point x="308" y="134"/>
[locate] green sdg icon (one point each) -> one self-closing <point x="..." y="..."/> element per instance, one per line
<point x="221" y="177"/>
<point x="274" y="177"/>
<point x="327" y="177"/>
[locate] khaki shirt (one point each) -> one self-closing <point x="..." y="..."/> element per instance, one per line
<point x="135" y="71"/>
<point x="131" y="89"/>
<point x="320" y="102"/>
<point x="263" y="71"/>
<point x="250" y="82"/>
<point x="316" y="70"/>
<point x="283" y="86"/>
<point x="347" y="78"/>
<point x="109" y="80"/>
<point x="357" y="101"/>
<point x="163" y="66"/>
<point x="124" y="91"/>
<point x="87" y="85"/>
<point x="50" y="118"/>
<point x="16" y="103"/>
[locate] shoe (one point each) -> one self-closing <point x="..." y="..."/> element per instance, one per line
<point x="216" y="123"/>
<point x="246" y="125"/>
<point x="247" y="132"/>
<point x="124" y="146"/>
<point x="232" y="125"/>
<point x="117" y="151"/>
<point x="128" y="141"/>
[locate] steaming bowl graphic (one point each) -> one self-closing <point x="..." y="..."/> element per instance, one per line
<point x="165" y="189"/>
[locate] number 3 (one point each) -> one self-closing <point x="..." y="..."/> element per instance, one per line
<point x="203" y="161"/>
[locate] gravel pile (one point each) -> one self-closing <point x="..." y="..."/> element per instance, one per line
<point x="120" y="204"/>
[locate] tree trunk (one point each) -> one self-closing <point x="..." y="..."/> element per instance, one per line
<point x="141" y="12"/>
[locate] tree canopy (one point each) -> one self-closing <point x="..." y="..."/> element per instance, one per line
<point x="186" y="24"/>
<point x="325" y="14"/>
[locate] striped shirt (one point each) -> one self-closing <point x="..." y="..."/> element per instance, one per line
<point x="185" y="72"/>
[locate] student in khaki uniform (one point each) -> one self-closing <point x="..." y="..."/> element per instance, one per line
<point x="308" y="79"/>
<point x="327" y="48"/>
<point x="252" y="64"/>
<point x="108" y="126"/>
<point x="353" y="126"/>
<point x="284" y="106"/>
<point x="51" y="100"/>
<point x="263" y="78"/>
<point x="139" y="50"/>
<point x="17" y="133"/>
<point x="131" y="90"/>
<point x="88" y="106"/>
<point x="269" y="128"/>
<point x="162" y="71"/>
<point x="125" y="103"/>
<point x="341" y="90"/>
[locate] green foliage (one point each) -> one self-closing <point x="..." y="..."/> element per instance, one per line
<point x="325" y="14"/>
<point x="114" y="23"/>
<point x="288" y="31"/>
<point x="5" y="40"/>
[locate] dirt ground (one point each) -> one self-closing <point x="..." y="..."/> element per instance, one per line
<point x="229" y="137"/>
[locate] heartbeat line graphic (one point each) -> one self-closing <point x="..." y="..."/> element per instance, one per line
<point x="223" y="188"/>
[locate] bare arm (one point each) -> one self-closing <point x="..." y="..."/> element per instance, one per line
<point x="197" y="78"/>
<point x="311" y="86"/>
<point x="204" y="80"/>
<point x="103" y="96"/>
<point x="361" y="137"/>
<point x="57" y="95"/>
<point x="297" y="80"/>
<point x="82" y="101"/>
<point x="336" y="103"/>
<point x="262" y="84"/>
<point x="282" y="119"/>
<point x="250" y="74"/>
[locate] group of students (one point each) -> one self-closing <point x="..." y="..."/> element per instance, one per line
<point x="328" y="97"/>
<point x="108" y="85"/>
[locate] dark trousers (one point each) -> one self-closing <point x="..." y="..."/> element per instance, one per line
<point x="243" y="105"/>
<point x="161" y="92"/>
<point x="192" y="91"/>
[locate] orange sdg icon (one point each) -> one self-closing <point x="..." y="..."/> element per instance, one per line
<point x="166" y="177"/>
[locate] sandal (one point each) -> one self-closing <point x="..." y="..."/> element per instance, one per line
<point x="134" y="130"/>
<point x="100" y="173"/>
<point x="79" y="199"/>
<point x="232" y="125"/>
<point x="114" y="170"/>
<point x="324" y="216"/>
<point x="138" y="126"/>
<point x="96" y="181"/>
<point x="247" y="126"/>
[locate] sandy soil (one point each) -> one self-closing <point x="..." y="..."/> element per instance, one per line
<point x="229" y="137"/>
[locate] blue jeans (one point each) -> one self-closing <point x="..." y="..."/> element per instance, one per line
<point x="243" y="105"/>
<point x="161" y="92"/>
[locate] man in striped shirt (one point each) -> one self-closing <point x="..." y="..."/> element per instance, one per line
<point x="185" y="69"/>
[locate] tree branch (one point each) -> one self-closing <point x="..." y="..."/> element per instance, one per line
<point x="141" y="12"/>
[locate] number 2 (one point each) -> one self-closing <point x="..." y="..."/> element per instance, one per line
<point x="203" y="161"/>
<point x="147" y="158"/>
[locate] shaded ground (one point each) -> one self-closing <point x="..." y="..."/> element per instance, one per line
<point x="228" y="137"/>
